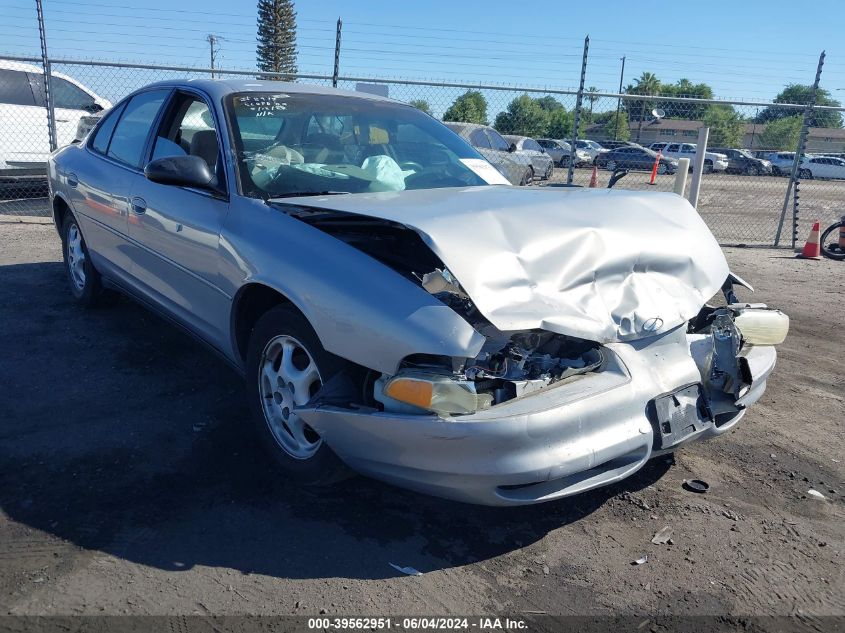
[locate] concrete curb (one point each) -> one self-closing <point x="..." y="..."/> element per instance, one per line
<point x="24" y="219"/>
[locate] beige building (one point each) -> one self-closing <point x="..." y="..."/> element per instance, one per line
<point x="819" y="139"/>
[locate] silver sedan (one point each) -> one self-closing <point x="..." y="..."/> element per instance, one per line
<point x="541" y="163"/>
<point x="394" y="306"/>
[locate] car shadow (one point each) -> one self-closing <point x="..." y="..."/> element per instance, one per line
<point x="123" y="435"/>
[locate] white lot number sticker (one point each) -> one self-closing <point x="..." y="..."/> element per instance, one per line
<point x="485" y="171"/>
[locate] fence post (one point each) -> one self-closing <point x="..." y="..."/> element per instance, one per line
<point x="571" y="171"/>
<point x="336" y="72"/>
<point x="799" y="152"/>
<point x="698" y="165"/>
<point x="48" y="88"/>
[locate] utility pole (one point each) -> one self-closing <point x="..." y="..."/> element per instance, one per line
<point x="336" y="72"/>
<point x="619" y="100"/>
<point x="213" y="40"/>
<point x="48" y="92"/>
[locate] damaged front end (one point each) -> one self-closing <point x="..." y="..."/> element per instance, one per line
<point x="510" y="365"/>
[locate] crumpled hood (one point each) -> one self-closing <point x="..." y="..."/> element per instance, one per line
<point x="601" y="265"/>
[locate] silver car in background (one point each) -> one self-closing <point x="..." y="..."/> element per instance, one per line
<point x="561" y="150"/>
<point x="492" y="145"/>
<point x="395" y="307"/>
<point x="542" y="164"/>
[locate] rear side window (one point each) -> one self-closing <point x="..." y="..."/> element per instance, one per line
<point x="15" y="89"/>
<point x="497" y="141"/>
<point x="102" y="136"/>
<point x="479" y="139"/>
<point x="130" y="135"/>
<point x="67" y="95"/>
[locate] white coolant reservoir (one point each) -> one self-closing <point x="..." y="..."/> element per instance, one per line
<point x="762" y="326"/>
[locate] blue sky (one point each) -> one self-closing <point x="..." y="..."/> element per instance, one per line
<point x="745" y="49"/>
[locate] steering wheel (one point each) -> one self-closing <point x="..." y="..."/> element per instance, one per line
<point x="409" y="164"/>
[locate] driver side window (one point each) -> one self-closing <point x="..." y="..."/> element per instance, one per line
<point x="187" y="129"/>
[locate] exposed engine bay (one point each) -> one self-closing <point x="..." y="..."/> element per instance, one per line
<point x="510" y="365"/>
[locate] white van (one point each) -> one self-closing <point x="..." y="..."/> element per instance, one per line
<point x="24" y="138"/>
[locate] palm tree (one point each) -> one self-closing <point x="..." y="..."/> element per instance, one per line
<point x="592" y="98"/>
<point x="645" y="84"/>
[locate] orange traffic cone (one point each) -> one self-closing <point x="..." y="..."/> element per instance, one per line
<point x="812" y="248"/>
<point x="594" y="179"/>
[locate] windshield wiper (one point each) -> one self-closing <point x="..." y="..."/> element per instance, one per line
<point x="302" y="194"/>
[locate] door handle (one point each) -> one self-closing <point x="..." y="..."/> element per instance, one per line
<point x="72" y="180"/>
<point x="139" y="205"/>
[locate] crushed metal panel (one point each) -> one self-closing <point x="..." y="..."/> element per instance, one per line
<point x="601" y="265"/>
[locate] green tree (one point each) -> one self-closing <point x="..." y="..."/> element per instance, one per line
<point x="276" y="50"/>
<point x="560" y="124"/>
<point x="727" y="128"/>
<point x="782" y="133"/>
<point x="421" y="104"/>
<point x="685" y="109"/>
<point x="799" y="93"/>
<point x="470" y="107"/>
<point x="610" y="131"/>
<point x="524" y="116"/>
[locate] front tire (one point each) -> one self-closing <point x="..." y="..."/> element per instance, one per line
<point x="286" y="365"/>
<point x="611" y="165"/>
<point x="86" y="285"/>
<point x="805" y="174"/>
<point x="708" y="166"/>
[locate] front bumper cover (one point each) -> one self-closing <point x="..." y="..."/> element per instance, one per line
<point x="582" y="433"/>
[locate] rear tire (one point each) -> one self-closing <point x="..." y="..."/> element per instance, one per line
<point x="832" y="249"/>
<point x="805" y="174"/>
<point x="85" y="282"/>
<point x="286" y="364"/>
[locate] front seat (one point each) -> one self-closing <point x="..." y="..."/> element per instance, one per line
<point x="204" y="145"/>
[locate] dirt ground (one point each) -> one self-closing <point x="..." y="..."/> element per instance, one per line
<point x="130" y="484"/>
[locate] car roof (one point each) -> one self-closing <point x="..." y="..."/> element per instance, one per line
<point x="8" y="64"/>
<point x="515" y="137"/>
<point x="220" y="88"/>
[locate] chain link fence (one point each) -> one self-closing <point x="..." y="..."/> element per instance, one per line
<point x="743" y="193"/>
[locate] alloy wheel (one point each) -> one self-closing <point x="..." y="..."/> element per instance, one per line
<point x="288" y="377"/>
<point x="76" y="257"/>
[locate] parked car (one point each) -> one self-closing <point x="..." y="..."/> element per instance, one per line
<point x="560" y="150"/>
<point x="822" y="167"/>
<point x="394" y="312"/>
<point x="542" y="163"/>
<point x="591" y="148"/>
<point x="24" y="137"/>
<point x="608" y="145"/>
<point x="492" y="146"/>
<point x="713" y="161"/>
<point x="741" y="161"/>
<point x="781" y="162"/>
<point x="635" y="158"/>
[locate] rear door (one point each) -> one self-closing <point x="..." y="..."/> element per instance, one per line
<point x="176" y="230"/>
<point x="25" y="141"/>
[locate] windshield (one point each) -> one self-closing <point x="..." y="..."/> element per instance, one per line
<point x="745" y="153"/>
<point x="303" y="144"/>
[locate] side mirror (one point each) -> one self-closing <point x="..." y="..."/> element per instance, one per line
<point x="512" y="147"/>
<point x="93" y="108"/>
<point x="182" y="171"/>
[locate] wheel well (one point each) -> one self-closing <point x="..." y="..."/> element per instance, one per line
<point x="60" y="211"/>
<point x="251" y="302"/>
